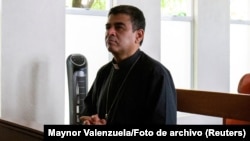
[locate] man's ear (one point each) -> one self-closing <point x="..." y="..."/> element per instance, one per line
<point x="139" y="35"/>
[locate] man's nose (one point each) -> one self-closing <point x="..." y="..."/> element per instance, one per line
<point x="111" y="31"/>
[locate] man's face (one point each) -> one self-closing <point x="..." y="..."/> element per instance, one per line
<point x="120" y="38"/>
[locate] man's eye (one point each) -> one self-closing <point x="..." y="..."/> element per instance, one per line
<point x="107" y="27"/>
<point x="118" y="27"/>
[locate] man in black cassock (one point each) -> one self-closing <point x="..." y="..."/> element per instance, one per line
<point x="133" y="88"/>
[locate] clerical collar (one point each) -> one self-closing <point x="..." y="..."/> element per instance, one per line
<point x="127" y="62"/>
<point x="116" y="66"/>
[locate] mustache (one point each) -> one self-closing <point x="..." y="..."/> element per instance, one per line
<point x="111" y="39"/>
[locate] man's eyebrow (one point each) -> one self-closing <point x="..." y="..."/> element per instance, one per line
<point x="117" y="23"/>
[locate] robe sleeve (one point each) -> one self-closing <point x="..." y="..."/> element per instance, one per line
<point x="164" y="93"/>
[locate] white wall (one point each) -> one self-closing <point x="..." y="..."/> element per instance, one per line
<point x="212" y="26"/>
<point x="212" y="52"/>
<point x="33" y="60"/>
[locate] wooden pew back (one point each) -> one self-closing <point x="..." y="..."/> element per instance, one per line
<point x="218" y="104"/>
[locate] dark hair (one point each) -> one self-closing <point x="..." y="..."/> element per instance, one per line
<point x="136" y="15"/>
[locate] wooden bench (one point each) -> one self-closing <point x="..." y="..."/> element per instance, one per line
<point x="218" y="104"/>
<point x="17" y="130"/>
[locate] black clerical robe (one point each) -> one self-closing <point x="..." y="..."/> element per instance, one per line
<point x="138" y="90"/>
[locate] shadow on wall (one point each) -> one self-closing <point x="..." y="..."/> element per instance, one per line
<point x="33" y="103"/>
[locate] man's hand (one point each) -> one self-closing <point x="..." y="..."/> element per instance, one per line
<point x="92" y="120"/>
